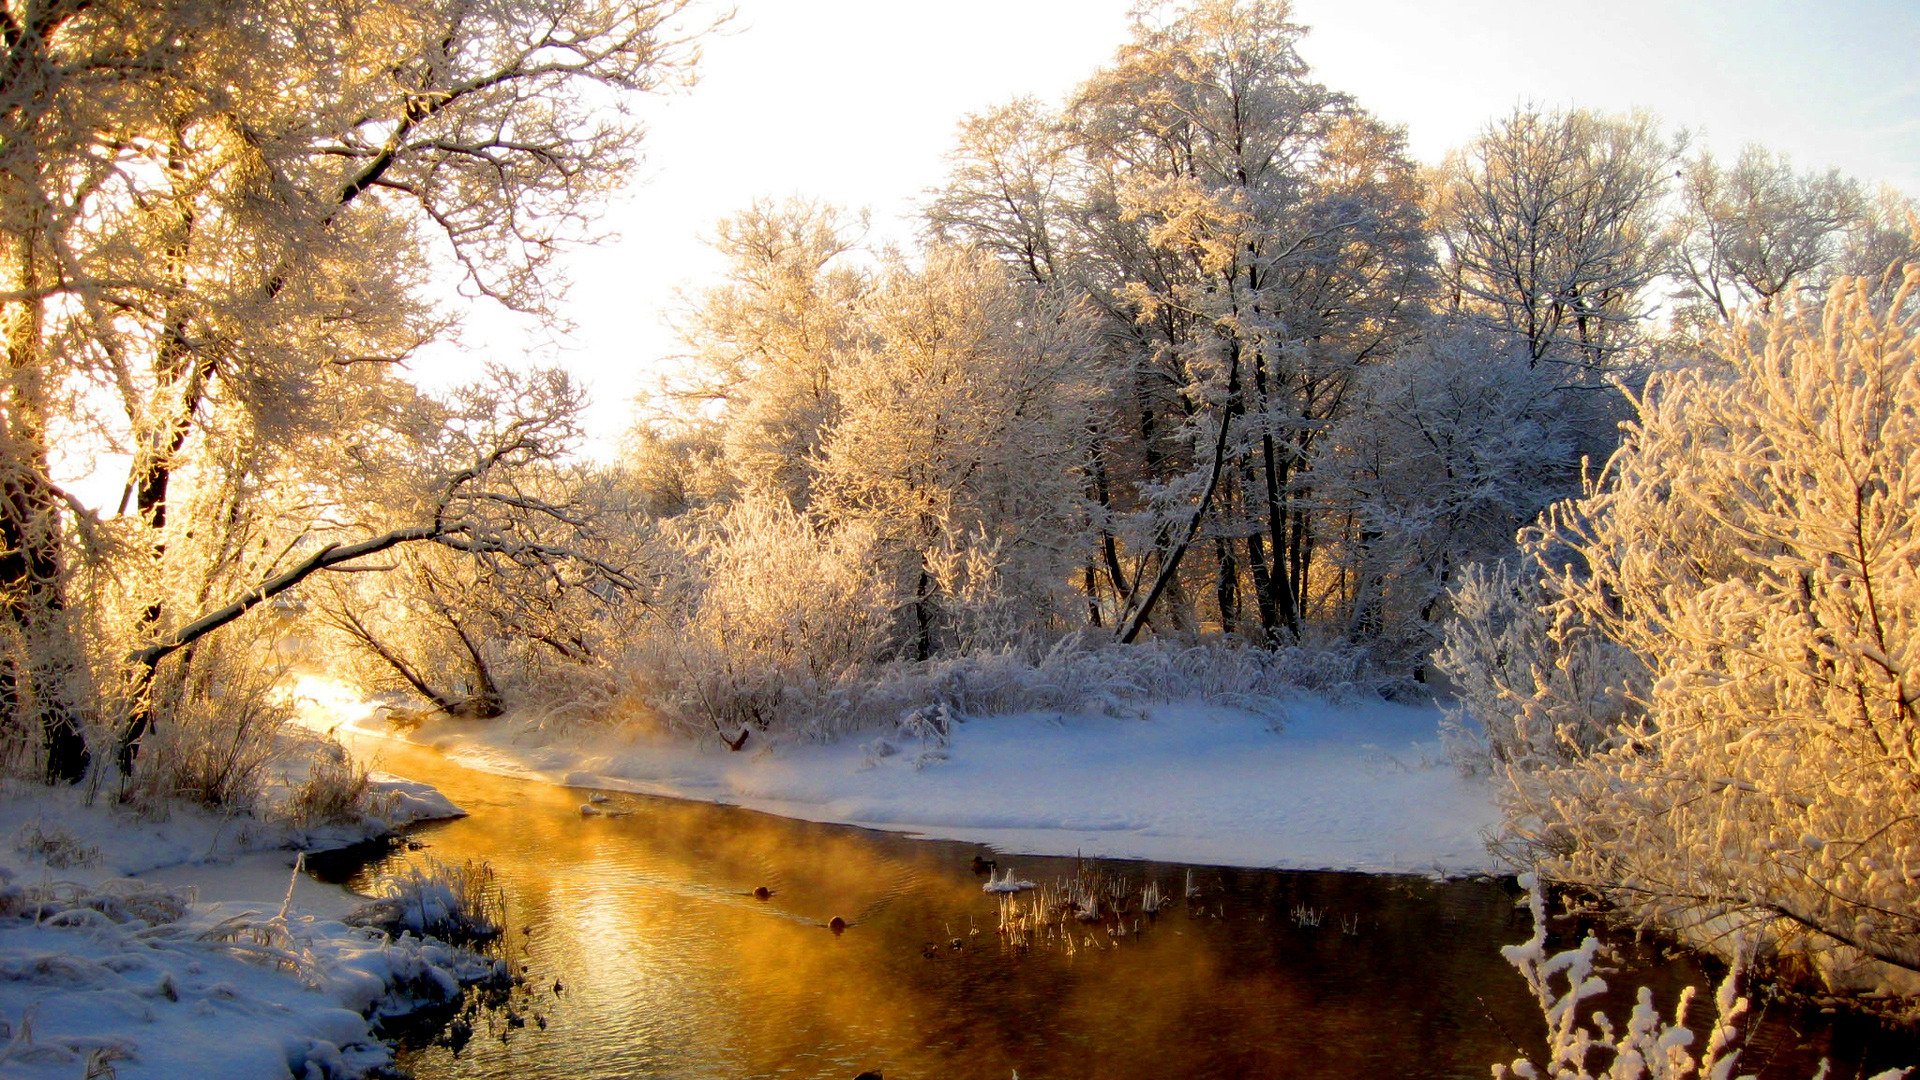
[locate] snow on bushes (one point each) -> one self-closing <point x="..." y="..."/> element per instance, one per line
<point x="435" y="899"/>
<point x="1755" y="545"/>
<point x="1650" y="1047"/>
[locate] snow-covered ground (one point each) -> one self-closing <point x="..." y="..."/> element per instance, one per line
<point x="1358" y="786"/>
<point x="172" y="948"/>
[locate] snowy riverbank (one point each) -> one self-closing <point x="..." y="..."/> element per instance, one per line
<point x="1363" y="785"/>
<point x="187" y="946"/>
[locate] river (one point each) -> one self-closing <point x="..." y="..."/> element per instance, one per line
<point x="646" y="953"/>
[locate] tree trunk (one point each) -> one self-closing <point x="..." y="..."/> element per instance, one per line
<point x="1170" y="564"/>
<point x="1226" y="587"/>
<point x="35" y="677"/>
<point x="1090" y="583"/>
<point x="923" y="614"/>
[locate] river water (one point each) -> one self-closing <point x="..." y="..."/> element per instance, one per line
<point x="647" y="954"/>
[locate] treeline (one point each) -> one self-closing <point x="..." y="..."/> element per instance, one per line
<point x="1200" y="356"/>
<point x="1203" y="352"/>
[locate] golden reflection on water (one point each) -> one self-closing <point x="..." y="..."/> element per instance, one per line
<point x="671" y="968"/>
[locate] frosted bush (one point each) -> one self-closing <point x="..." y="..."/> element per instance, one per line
<point x="337" y="789"/>
<point x="432" y="898"/>
<point x="1755" y="545"/>
<point x="772" y="617"/>
<point x="1530" y="692"/>
<point x="1649" y="1046"/>
<point x="222" y="721"/>
<point x="1093" y="675"/>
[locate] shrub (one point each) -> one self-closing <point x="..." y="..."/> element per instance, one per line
<point x="337" y="790"/>
<point x="1650" y="1046"/>
<point x="432" y="898"/>
<point x="1755" y="544"/>
<point x="216" y="728"/>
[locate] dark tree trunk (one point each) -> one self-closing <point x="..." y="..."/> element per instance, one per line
<point x="34" y="691"/>
<point x="1226" y="584"/>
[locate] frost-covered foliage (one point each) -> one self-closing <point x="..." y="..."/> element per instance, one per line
<point x="221" y="727"/>
<point x="1531" y="693"/>
<point x="337" y="790"/>
<point x="1649" y="1047"/>
<point x="1756" y="546"/>
<point x="1454" y="443"/>
<point x="957" y="445"/>
<point x="435" y="899"/>
<point x="768" y="617"/>
<point x="917" y="703"/>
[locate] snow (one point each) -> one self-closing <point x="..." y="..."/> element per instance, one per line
<point x="187" y="945"/>
<point x="1361" y="785"/>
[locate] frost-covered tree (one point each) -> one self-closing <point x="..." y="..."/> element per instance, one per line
<point x="1753" y="232"/>
<point x="765" y="344"/>
<point x="1260" y="238"/>
<point x="528" y="570"/>
<point x="1012" y="190"/>
<point x="959" y="444"/>
<point x="1753" y="545"/>
<point x="1884" y="239"/>
<point x="1550" y="229"/>
<point x="1452" y="445"/>
<point x="216" y="213"/>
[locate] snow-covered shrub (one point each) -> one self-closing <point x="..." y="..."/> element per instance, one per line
<point x="1530" y="692"/>
<point x="221" y="723"/>
<point x="772" y="617"/>
<point x="436" y="899"/>
<point x="337" y="789"/>
<point x="1090" y="674"/>
<point x="54" y="846"/>
<point x="1756" y="544"/>
<point x="1649" y="1047"/>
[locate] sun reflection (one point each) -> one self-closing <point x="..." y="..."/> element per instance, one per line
<point x="324" y="703"/>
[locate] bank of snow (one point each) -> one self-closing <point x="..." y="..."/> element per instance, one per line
<point x="1363" y="785"/>
<point x="139" y="947"/>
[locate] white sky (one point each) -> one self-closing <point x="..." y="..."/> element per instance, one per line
<point x="856" y="102"/>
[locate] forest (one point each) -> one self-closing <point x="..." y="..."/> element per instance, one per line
<point x="1611" y="442"/>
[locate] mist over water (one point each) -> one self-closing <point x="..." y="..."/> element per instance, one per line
<point x="668" y="966"/>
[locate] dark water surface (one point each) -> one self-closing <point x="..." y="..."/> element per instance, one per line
<point x="669" y="967"/>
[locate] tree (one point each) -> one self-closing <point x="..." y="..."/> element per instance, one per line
<point x="1265" y="237"/>
<point x="1884" y="239"/>
<point x="1010" y="191"/>
<point x="960" y="443"/>
<point x="207" y="202"/>
<point x="1549" y="224"/>
<point x="478" y="479"/>
<point x="766" y="344"/>
<point x="1757" y="231"/>
<point x="1753" y="546"/>
<point x="1453" y="443"/>
<point x="525" y="571"/>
